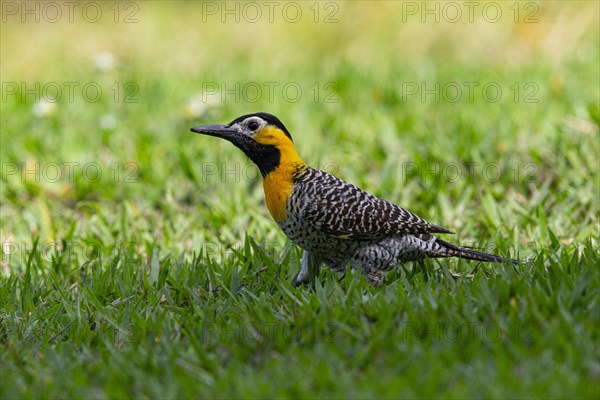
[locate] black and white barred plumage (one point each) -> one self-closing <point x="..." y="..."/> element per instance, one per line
<point x="342" y="224"/>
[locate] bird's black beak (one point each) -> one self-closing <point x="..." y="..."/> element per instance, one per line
<point x="222" y="131"/>
<point x="266" y="156"/>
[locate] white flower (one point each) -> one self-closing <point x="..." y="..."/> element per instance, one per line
<point x="44" y="108"/>
<point x="108" y="122"/>
<point x="105" y="61"/>
<point x="198" y="105"/>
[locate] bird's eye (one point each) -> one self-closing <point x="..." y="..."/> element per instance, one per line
<point x="253" y="125"/>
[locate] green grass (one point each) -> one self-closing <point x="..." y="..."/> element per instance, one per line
<point x="166" y="278"/>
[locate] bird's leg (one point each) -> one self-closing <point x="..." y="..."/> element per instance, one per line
<point x="375" y="277"/>
<point x="310" y="267"/>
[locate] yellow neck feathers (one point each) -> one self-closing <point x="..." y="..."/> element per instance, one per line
<point x="278" y="184"/>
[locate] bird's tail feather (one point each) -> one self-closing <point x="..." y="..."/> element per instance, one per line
<point x="451" y="250"/>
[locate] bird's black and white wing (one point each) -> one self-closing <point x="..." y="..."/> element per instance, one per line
<point x="340" y="209"/>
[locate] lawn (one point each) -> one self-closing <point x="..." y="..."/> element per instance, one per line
<point x="139" y="259"/>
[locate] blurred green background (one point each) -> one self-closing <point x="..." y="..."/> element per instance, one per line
<point x="479" y="116"/>
<point x="344" y="77"/>
<point x="372" y="92"/>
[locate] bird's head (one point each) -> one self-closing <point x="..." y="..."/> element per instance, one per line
<point x="261" y="136"/>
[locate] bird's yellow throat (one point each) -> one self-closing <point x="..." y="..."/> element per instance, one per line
<point x="278" y="184"/>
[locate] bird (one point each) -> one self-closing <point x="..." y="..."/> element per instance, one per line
<point x="334" y="222"/>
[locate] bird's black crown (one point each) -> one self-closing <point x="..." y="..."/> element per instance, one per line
<point x="270" y="118"/>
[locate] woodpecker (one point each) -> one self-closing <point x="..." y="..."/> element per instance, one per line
<point x="334" y="222"/>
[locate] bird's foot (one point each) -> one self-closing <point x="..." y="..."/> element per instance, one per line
<point x="457" y="276"/>
<point x="375" y="278"/>
<point x="300" y="280"/>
